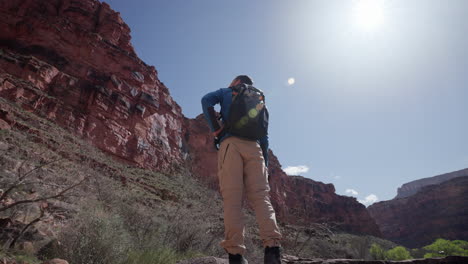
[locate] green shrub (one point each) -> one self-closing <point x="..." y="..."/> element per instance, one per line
<point x="95" y="237"/>
<point x="461" y="243"/>
<point x="6" y="257"/>
<point x="117" y="229"/>
<point x="398" y="253"/>
<point x="26" y="259"/>
<point x="443" y="248"/>
<point x="377" y="252"/>
<point x="113" y="236"/>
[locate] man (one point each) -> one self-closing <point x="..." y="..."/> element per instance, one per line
<point x="242" y="167"/>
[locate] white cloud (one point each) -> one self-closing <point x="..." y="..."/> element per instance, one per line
<point x="370" y="199"/>
<point x="296" y="170"/>
<point x="352" y="192"/>
<point x="334" y="176"/>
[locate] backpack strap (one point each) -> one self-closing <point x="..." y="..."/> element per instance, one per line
<point x="238" y="89"/>
<point x="241" y="88"/>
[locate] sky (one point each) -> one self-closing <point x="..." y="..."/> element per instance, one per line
<point x="364" y="94"/>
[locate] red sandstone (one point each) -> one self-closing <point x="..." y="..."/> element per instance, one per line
<point x="72" y="62"/>
<point x="435" y="211"/>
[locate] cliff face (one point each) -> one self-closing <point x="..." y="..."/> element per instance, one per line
<point x="296" y="199"/>
<point x="72" y="62"/>
<point x="436" y="211"/>
<point x="413" y="187"/>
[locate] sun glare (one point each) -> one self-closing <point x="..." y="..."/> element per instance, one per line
<point x="369" y="14"/>
<point x="291" y="81"/>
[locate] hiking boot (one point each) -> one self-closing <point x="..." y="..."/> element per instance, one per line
<point x="272" y="255"/>
<point x="237" y="259"/>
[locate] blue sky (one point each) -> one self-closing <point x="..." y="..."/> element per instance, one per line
<point x="380" y="87"/>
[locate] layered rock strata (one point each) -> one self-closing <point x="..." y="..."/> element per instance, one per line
<point x="413" y="187"/>
<point x="436" y="211"/>
<point x="72" y="61"/>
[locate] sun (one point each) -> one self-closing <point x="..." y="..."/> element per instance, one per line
<point x="369" y="14"/>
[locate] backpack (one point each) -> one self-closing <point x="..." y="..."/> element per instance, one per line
<point x="248" y="114"/>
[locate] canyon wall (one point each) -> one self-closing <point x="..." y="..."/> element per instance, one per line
<point x="72" y="62"/>
<point x="413" y="187"/>
<point x="435" y="211"/>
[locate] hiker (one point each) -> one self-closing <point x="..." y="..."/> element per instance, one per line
<point x="242" y="144"/>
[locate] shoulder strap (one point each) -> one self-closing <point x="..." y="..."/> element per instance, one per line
<point x="241" y="88"/>
<point x="238" y="89"/>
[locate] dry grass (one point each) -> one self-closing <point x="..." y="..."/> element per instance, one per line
<point x="124" y="214"/>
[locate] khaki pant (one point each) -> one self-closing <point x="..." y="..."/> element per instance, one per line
<point x="241" y="168"/>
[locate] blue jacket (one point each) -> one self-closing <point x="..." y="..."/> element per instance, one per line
<point x="223" y="97"/>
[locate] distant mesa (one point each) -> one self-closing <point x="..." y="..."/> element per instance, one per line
<point x="413" y="187"/>
<point x="425" y="210"/>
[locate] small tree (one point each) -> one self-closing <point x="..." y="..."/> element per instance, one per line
<point x="377" y="252"/>
<point x="398" y="253"/>
<point x="12" y="197"/>
<point x="442" y="248"/>
<point x="461" y="243"/>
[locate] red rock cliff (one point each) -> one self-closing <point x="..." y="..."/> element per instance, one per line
<point x="413" y="187"/>
<point x="72" y="61"/>
<point x="296" y="199"/>
<point x="435" y="211"/>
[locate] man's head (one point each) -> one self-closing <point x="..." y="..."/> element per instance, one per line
<point x="241" y="79"/>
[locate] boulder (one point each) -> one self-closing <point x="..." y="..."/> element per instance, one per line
<point x="56" y="261"/>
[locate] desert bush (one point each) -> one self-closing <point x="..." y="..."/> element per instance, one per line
<point x="8" y="256"/>
<point x="105" y="236"/>
<point x="355" y="246"/>
<point x="119" y="211"/>
<point x="95" y="237"/>
<point x="359" y="246"/>
<point x="442" y="248"/>
<point x="120" y="225"/>
<point x="157" y="256"/>
<point x="461" y="243"/>
<point x="398" y="253"/>
<point x="377" y="252"/>
<point x="32" y="180"/>
<point x="192" y="229"/>
<point x="322" y="241"/>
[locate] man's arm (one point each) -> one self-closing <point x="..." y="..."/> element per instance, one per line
<point x="208" y="102"/>
<point x="264" y="145"/>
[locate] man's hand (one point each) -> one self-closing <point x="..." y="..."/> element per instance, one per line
<point x="218" y="135"/>
<point x="218" y="132"/>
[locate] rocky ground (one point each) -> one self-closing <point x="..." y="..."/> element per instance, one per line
<point x="182" y="213"/>
<point x="296" y="260"/>
<point x="78" y="106"/>
<point x="73" y="63"/>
